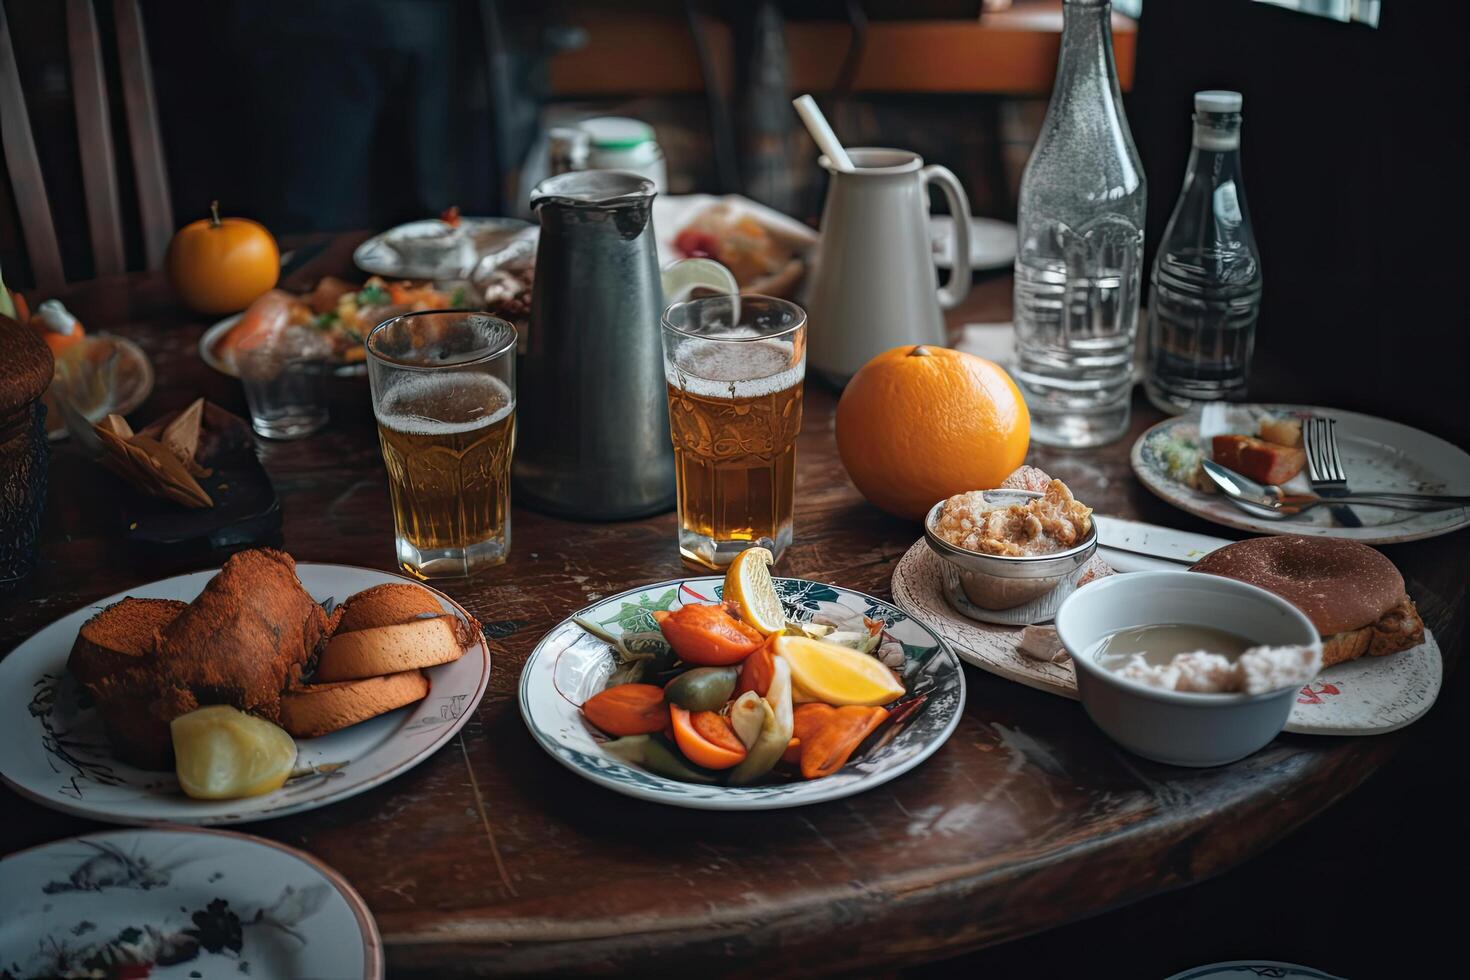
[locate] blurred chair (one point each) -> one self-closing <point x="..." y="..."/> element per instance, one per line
<point x="94" y="136"/>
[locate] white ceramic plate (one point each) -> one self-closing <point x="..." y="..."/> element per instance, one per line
<point x="119" y="402"/>
<point x="1253" y="970"/>
<point x="568" y="666"/>
<point x="992" y="243"/>
<point x="1367" y="696"/>
<point x="216" y="333"/>
<point x="53" y="749"/>
<point x="205" y="903"/>
<point x="1377" y="455"/>
<point x="378" y="257"/>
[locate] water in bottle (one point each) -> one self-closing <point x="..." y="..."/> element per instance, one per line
<point x="1079" y="264"/>
<point x="1207" y="274"/>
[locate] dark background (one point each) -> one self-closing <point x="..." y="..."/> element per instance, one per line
<point x="329" y="116"/>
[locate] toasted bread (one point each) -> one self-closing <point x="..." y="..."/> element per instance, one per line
<point x="1398" y="629"/>
<point x="416" y="644"/>
<point x="312" y="710"/>
<point x="112" y="657"/>
<point x="387" y="605"/>
<point x="120" y="637"/>
<point x="1262" y="461"/>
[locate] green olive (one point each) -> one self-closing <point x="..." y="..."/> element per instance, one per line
<point x="702" y="689"/>
<point x="657" y="757"/>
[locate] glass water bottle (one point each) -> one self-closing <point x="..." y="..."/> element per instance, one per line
<point x="1079" y="264"/>
<point x="1207" y="274"/>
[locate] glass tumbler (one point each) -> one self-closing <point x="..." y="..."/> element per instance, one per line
<point x="443" y="386"/>
<point x="735" y="366"/>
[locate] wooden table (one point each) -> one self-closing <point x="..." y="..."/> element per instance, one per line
<point x="491" y="859"/>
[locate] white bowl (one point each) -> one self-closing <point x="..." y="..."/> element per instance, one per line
<point x="1180" y="728"/>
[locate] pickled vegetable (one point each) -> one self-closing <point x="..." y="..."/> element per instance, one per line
<point x="702" y="689"/>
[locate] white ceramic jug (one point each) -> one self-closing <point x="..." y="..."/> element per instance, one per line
<point x="874" y="285"/>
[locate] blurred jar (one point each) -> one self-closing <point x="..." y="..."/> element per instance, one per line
<point x="24" y="452"/>
<point x="620" y="143"/>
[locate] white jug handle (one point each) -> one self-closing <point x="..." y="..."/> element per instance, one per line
<point x="953" y="292"/>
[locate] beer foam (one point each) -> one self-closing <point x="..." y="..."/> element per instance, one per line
<point x="713" y="368"/>
<point x="461" y="394"/>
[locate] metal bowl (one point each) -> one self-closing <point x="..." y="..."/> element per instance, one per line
<point x="1012" y="590"/>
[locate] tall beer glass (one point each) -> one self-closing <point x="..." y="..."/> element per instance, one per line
<point x="444" y="398"/>
<point x="735" y="367"/>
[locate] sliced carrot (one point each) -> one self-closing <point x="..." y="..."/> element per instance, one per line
<point x="806" y="720"/>
<point x="713" y="727"/>
<point x="756" y="672"/>
<point x="708" y="635"/>
<point x="628" y="709"/>
<point x="828" y="748"/>
<point x="700" y="750"/>
<point x="792" y="755"/>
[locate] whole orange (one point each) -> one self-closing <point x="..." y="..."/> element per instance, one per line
<point x="220" y="265"/>
<point x="918" y="424"/>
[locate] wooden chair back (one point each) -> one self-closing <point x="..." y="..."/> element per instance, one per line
<point x="94" y="137"/>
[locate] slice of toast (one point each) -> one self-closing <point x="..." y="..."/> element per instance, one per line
<point x="120" y="637"/>
<point x="313" y="710"/>
<point x="387" y="605"/>
<point x="414" y="645"/>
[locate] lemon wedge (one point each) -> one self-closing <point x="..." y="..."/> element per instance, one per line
<point x="221" y="753"/>
<point x="835" y="674"/>
<point x="748" y="584"/>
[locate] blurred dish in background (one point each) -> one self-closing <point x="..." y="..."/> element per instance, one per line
<point x="992" y="242"/>
<point x="766" y="250"/>
<point x="441" y="248"/>
<point x="97" y="376"/>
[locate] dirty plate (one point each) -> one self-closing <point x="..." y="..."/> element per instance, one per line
<point x="568" y="666"/>
<point x="1376" y="453"/>
<point x="53" y="749"/>
<point x="181" y="902"/>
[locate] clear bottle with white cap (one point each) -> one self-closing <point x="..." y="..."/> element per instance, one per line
<point x="620" y="143"/>
<point x="1207" y="274"/>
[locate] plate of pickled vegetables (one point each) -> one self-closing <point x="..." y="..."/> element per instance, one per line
<point x="745" y="692"/>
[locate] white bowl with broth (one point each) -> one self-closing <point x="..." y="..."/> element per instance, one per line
<point x="1182" y="728"/>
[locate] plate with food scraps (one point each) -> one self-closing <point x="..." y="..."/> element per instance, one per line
<point x="1378" y="455"/>
<point x="181" y="902"/>
<point x="55" y="751"/>
<point x="335" y="316"/>
<point x="435" y="248"/>
<point x="1367" y="696"/>
<point x="620" y="638"/>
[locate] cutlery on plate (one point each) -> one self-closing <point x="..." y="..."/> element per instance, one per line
<point x="1324" y="466"/>
<point x="1153" y="541"/>
<point x="1274" y="503"/>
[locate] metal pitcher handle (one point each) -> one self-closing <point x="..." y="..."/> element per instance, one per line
<point x="953" y="292"/>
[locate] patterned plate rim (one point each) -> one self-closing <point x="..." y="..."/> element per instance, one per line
<point x="747" y="798"/>
<point x="1171" y="492"/>
<point x="285" y="810"/>
<point x="372" y="939"/>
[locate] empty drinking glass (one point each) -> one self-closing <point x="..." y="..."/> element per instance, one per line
<point x="286" y="384"/>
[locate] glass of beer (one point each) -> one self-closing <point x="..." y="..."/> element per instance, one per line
<point x="735" y="367"/>
<point x="444" y="398"/>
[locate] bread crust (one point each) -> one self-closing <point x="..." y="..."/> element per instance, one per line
<point x="313" y="710"/>
<point x="414" y="645"/>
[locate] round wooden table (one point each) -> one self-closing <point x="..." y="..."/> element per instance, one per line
<point x="491" y="859"/>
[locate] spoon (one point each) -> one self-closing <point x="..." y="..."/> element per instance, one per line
<point x="1274" y="503"/>
<point x="826" y="139"/>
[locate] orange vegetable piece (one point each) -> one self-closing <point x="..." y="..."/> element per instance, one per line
<point x="708" y="635"/>
<point x="700" y="750"/>
<point x="792" y="755"/>
<point x="712" y="726"/>
<point x="756" y="672"/>
<point x="806" y="719"/>
<point x="22" y="308"/>
<point x="628" y="709"/>
<point x="827" y="749"/>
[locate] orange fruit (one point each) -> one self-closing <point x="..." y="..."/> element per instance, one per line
<point x="220" y="265"/>
<point x="918" y="424"/>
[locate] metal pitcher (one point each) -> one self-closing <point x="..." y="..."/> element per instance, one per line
<point x="592" y="415"/>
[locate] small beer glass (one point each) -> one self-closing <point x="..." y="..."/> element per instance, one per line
<point x="444" y="397"/>
<point x="735" y="366"/>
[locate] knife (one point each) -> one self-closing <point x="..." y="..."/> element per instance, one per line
<point x="1134" y="538"/>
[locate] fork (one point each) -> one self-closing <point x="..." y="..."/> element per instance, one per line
<point x="1324" y="466"/>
